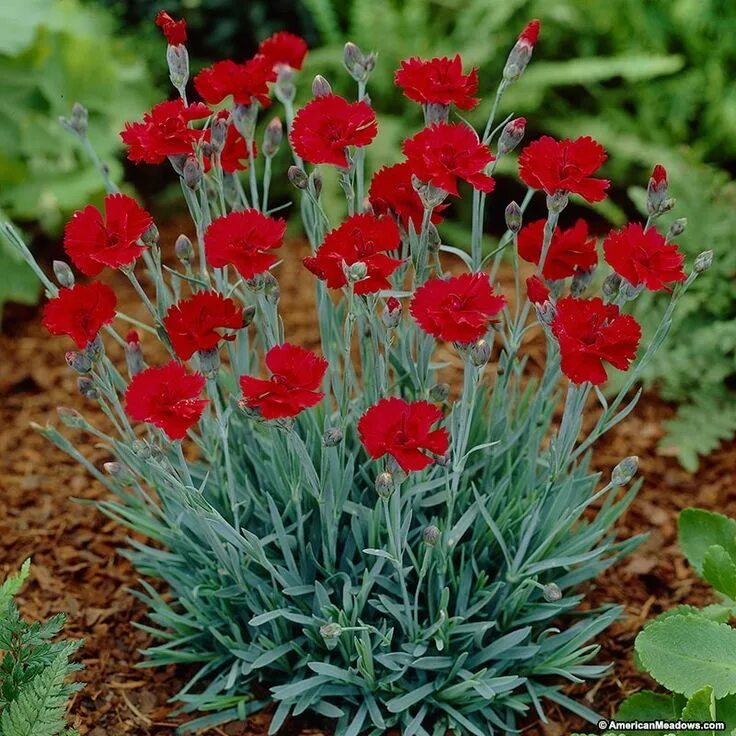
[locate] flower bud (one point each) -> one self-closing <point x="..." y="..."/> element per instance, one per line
<point x="64" y="274"/>
<point x="391" y="315"/>
<point x="248" y="314"/>
<point x="298" y="177"/>
<point x="511" y="135"/>
<point x="657" y="190"/>
<point x="358" y="64"/>
<point x="178" y="60"/>
<point x="151" y="236"/>
<point x="629" y="292"/>
<point x="581" y="281"/>
<point x="430" y="195"/>
<point x="134" y="354"/>
<point x="355" y="272"/>
<point x="703" y="262"/>
<point x="78" y="362"/>
<point x="321" y="87"/>
<point x="435" y="112"/>
<point x="272" y="138"/>
<point x="284" y="89"/>
<point x="332" y="437"/>
<point x="78" y="121"/>
<point x="624" y="471"/>
<point x="439" y="392"/>
<point x="116" y="470"/>
<point x="271" y="288"/>
<point x="521" y="53"/>
<point x="87" y="388"/>
<point x="551" y="592"/>
<point x="677" y="228"/>
<point x="384" y="484"/>
<point x="480" y="353"/>
<point x="431" y="535"/>
<point x="218" y="131"/>
<point x="192" y="173"/>
<point x="513" y="217"/>
<point x="434" y="239"/>
<point x="184" y="250"/>
<point x="330" y="633"/>
<point x="557" y="202"/>
<point x="315" y="183"/>
<point x="244" y="117"/>
<point x="177" y="163"/>
<point x="70" y="417"/>
<point x="611" y="285"/>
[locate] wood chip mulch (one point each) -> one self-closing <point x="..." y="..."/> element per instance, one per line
<point x="77" y="569"/>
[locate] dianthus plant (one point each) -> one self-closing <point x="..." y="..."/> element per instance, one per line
<point x="340" y="532"/>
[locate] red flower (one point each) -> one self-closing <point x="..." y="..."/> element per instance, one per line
<point x="530" y="34"/>
<point x="644" y="257"/>
<point x="590" y="332"/>
<point x="365" y="238"/>
<point x="284" y="48"/>
<point x="192" y="323"/>
<point x="175" y="31"/>
<point x="659" y="176"/>
<point x="164" y="132"/>
<point x="564" y="166"/>
<point x="392" y="191"/>
<point x="536" y="290"/>
<point x="93" y="241"/>
<point x="403" y="430"/>
<point x="569" y="249"/>
<point x="457" y="309"/>
<point x="444" y="153"/>
<point x="80" y="312"/>
<point x="247" y="83"/>
<point x="234" y="155"/>
<point x="167" y="398"/>
<point x="327" y="125"/>
<point x="244" y="240"/>
<point x="296" y="375"/>
<point x="438" y="81"/>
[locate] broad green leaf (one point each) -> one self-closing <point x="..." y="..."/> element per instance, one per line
<point x="700" y="708"/>
<point x="720" y="571"/>
<point x="700" y="529"/>
<point x="687" y="653"/>
<point x="646" y="706"/>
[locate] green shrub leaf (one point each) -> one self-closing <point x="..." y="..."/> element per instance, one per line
<point x="699" y="530"/>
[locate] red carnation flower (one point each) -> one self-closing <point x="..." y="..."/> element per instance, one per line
<point x="164" y="132"/>
<point x="365" y="238"/>
<point x="438" y="81"/>
<point x="80" y="312"/>
<point x="530" y="34"/>
<point x="536" y="290"/>
<point x="247" y="83"/>
<point x="167" y="398"/>
<point x="403" y="430"/>
<point x="284" y="49"/>
<point x="565" y="165"/>
<point x="175" y="31"/>
<point x="192" y="323"/>
<point x="392" y="191"/>
<point x="329" y="124"/>
<point x="569" y="249"/>
<point x="443" y="153"/>
<point x="244" y="239"/>
<point x="93" y="241"/>
<point x="590" y="332"/>
<point x="234" y="155"/>
<point x="296" y="375"/>
<point x="457" y="309"/>
<point x="644" y="257"/>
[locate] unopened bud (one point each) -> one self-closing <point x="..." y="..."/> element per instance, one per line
<point x="703" y="262"/>
<point x="434" y="239"/>
<point x="134" y="354"/>
<point x="284" y="89"/>
<point x="178" y="60"/>
<point x="184" y="250"/>
<point x="321" y="87"/>
<point x="355" y="272"/>
<point x="150" y="236"/>
<point x="177" y="162"/>
<point x="581" y="281"/>
<point x="480" y="353"/>
<point x="430" y="195"/>
<point x="87" y="388"/>
<point x="625" y="471"/>
<point x="551" y="592"/>
<point x="192" y="173"/>
<point x="630" y="291"/>
<point x="384" y="484"/>
<point x="248" y="314"/>
<point x="272" y="138"/>
<point x="78" y="362"/>
<point x="358" y="64"/>
<point x="330" y="633"/>
<point x="315" y="183"/>
<point x="244" y="117"/>
<point x="70" y="417"/>
<point x="521" y="53"/>
<point x="513" y="217"/>
<point x="218" y="131"/>
<point x="439" y="392"/>
<point x="611" y="285"/>
<point x="677" y="228"/>
<point x="271" y="288"/>
<point x="558" y="201"/>
<point x="64" y="274"/>
<point x="297" y="176"/>
<point x="511" y="135"/>
<point x="78" y="121"/>
<point x="116" y="470"/>
<point x="657" y="190"/>
<point x="391" y="315"/>
<point x="431" y="535"/>
<point x="332" y="437"/>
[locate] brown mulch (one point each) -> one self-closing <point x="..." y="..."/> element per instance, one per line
<point x="77" y="569"/>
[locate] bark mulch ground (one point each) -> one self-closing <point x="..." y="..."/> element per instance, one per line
<point x="78" y="570"/>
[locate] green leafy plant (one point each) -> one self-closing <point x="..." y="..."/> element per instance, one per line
<point x="691" y="651"/>
<point x="34" y="669"/>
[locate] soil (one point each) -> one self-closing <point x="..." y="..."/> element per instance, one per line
<point x="78" y="568"/>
